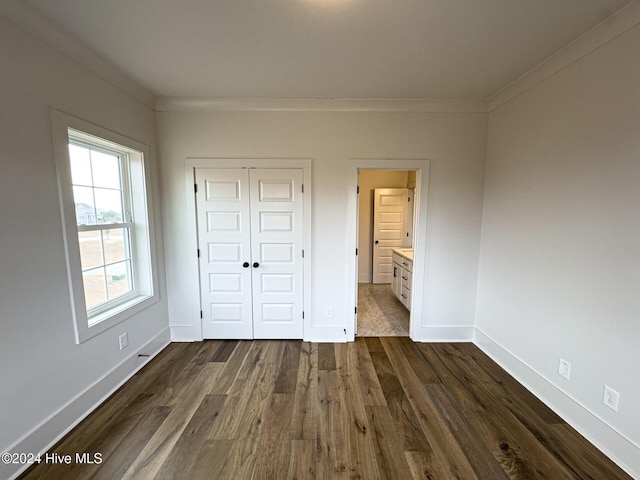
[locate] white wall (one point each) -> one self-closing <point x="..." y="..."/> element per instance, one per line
<point x="368" y="181"/>
<point x="47" y="380"/>
<point x="454" y="142"/>
<point x="559" y="271"/>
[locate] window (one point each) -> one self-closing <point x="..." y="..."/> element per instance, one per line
<point x="102" y="185"/>
<point x="101" y="196"/>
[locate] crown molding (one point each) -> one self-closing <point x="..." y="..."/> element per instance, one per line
<point x="619" y="23"/>
<point x="43" y="28"/>
<point x="408" y="105"/>
<point x="37" y="24"/>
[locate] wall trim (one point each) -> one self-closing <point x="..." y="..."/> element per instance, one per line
<point x="186" y="333"/>
<point x="616" y="25"/>
<point x="325" y="334"/>
<point x="46" y="434"/>
<point x="174" y="104"/>
<point x="443" y="333"/>
<point x="588" y="423"/>
<point x="53" y="35"/>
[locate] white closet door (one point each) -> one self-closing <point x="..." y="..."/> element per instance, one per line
<point x="251" y="266"/>
<point x="222" y="202"/>
<point x="389" y="229"/>
<point x="276" y="245"/>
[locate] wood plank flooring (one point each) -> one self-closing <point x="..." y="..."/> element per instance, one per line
<point x="378" y="408"/>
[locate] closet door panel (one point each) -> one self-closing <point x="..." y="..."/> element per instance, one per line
<point x="276" y="245"/>
<point x="222" y="207"/>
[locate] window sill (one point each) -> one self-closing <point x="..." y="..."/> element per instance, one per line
<point x="114" y="316"/>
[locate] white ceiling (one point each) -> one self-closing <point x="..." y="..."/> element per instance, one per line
<point x="439" y="49"/>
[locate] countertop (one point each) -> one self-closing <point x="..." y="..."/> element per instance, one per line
<point x="404" y="252"/>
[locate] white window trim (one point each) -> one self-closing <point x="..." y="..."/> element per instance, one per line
<point x="146" y="277"/>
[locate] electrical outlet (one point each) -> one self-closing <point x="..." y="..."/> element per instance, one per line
<point x="564" y="368"/>
<point x="124" y="341"/>
<point x="328" y="312"/>
<point x="611" y="398"/>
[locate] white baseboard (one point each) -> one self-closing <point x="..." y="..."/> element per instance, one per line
<point x="620" y="449"/>
<point x="186" y="333"/>
<point x="189" y="333"/>
<point x="444" y="333"/>
<point x="58" y="424"/>
<point x="328" y="334"/>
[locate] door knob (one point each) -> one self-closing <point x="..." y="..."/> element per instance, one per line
<point x="256" y="264"/>
<point x="376" y="242"/>
<point x="245" y="264"/>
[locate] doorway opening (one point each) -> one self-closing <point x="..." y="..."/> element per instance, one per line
<point x="386" y="218"/>
<point x="417" y="301"/>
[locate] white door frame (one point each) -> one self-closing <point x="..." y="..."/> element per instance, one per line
<point x="192" y="232"/>
<point x="421" y="167"/>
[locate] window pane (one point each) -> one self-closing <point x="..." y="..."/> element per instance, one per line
<point x="106" y="170"/>
<point x="108" y="205"/>
<point x="95" y="291"/>
<point x="118" y="279"/>
<point x="90" y="249"/>
<point x="116" y="245"/>
<point x="85" y="209"/>
<point x="80" y="165"/>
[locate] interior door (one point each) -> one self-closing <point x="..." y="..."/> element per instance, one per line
<point x="224" y="239"/>
<point x="251" y="265"/>
<point x="389" y="229"/>
<point x="276" y="245"/>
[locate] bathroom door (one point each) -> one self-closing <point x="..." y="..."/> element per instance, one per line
<point x="389" y="229"/>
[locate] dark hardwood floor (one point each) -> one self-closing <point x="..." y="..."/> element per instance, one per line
<point x="374" y="409"/>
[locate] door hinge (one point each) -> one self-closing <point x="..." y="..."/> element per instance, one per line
<point x="198" y="253"/>
<point x="358" y="189"/>
<point x="303" y="314"/>
<point x="200" y="313"/>
<point x="408" y="199"/>
<point x="356" y="251"/>
<point x="303" y="253"/>
<point x="355" y="310"/>
<point x="407" y="234"/>
<point x="303" y="188"/>
<point x="195" y="187"/>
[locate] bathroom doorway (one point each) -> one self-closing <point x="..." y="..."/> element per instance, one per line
<point x="385" y="241"/>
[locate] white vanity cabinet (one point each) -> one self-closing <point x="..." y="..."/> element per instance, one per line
<point x="402" y="259"/>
